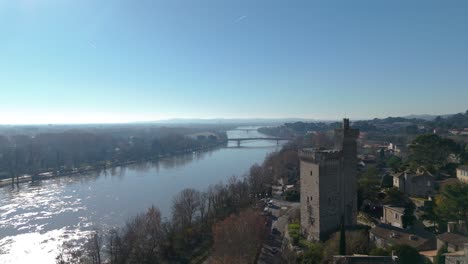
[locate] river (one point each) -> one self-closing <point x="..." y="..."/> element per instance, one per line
<point x="37" y="218"/>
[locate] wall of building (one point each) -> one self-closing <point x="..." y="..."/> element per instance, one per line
<point x="310" y="225"/>
<point x="392" y="217"/>
<point x="421" y="185"/>
<point x="331" y="198"/>
<point x="462" y="175"/>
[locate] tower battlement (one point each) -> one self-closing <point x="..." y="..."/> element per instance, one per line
<point x="319" y="155"/>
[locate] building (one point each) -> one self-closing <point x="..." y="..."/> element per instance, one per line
<point x="364" y="259"/>
<point x="457" y="257"/>
<point x="393" y="215"/>
<point x="328" y="185"/>
<point x="456" y="241"/>
<point x="455" y="237"/>
<point x="462" y="174"/>
<point x="385" y="236"/>
<point x="420" y="183"/>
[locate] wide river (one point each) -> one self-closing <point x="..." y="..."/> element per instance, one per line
<point x="37" y="218"/>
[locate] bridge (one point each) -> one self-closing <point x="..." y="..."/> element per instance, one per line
<point x="245" y="129"/>
<point x="277" y="139"/>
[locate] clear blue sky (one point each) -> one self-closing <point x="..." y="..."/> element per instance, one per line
<point x="65" y="61"/>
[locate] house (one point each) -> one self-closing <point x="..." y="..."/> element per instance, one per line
<point x="364" y="259"/>
<point x="455" y="237"/>
<point x="393" y="215"/>
<point x="457" y="257"/>
<point x="385" y="236"/>
<point x="397" y="150"/>
<point x="420" y="183"/>
<point x="462" y="174"/>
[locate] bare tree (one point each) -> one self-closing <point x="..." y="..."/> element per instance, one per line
<point x="185" y="206"/>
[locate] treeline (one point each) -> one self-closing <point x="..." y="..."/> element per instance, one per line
<point x="66" y="151"/>
<point x="377" y="128"/>
<point x="221" y="222"/>
<point x="457" y="121"/>
<point x="201" y="220"/>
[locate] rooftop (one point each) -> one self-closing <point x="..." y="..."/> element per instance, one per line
<point x="453" y="238"/>
<point x="396" y="208"/>
<point x="398" y="236"/>
<point x="363" y="259"/>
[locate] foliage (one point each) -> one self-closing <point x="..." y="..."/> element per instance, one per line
<point x="394" y="163"/>
<point x="431" y="152"/>
<point x="238" y="237"/>
<point x="452" y="202"/>
<point x="294" y="233"/>
<point x="408" y="217"/>
<point x="440" y="258"/>
<point x="379" y="252"/>
<point x="68" y="150"/>
<point x="291" y="196"/>
<point x="394" y="196"/>
<point x="357" y="242"/>
<point x="313" y="253"/>
<point x="368" y="185"/>
<point x="459" y="121"/>
<point x="387" y="181"/>
<point x="407" y="254"/>
<point x="430" y="214"/>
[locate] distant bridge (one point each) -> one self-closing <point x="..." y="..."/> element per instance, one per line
<point x="245" y="129"/>
<point x="277" y="139"/>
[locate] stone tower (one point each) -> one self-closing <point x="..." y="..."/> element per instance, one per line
<point x="328" y="185"/>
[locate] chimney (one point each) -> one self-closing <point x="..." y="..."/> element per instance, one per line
<point x="451" y="227"/>
<point x="461" y="227"/>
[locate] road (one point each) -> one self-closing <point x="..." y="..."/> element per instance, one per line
<point x="271" y="249"/>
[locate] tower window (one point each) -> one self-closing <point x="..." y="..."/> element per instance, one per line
<point x="311" y="173"/>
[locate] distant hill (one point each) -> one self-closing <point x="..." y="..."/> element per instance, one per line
<point x="237" y="121"/>
<point x="426" y="117"/>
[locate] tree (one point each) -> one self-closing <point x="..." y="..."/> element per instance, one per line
<point x="407" y="254"/>
<point x="313" y="254"/>
<point x="184" y="207"/>
<point x="357" y="242"/>
<point x="431" y="151"/>
<point x="440" y="258"/>
<point x="394" y="196"/>
<point x="408" y="217"/>
<point x="379" y="252"/>
<point x="237" y="238"/>
<point x="394" y="163"/>
<point x="368" y="185"/>
<point x="452" y="203"/>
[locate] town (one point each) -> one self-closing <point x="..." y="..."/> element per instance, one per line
<point x="393" y="193"/>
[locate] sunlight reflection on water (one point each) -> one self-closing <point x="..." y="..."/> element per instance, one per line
<point x="37" y="218"/>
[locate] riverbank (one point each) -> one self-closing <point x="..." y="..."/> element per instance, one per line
<point x="99" y="167"/>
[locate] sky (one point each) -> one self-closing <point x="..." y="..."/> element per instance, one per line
<point x="88" y="61"/>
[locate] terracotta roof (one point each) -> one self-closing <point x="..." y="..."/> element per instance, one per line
<point x="429" y="253"/>
<point x="462" y="167"/>
<point x="453" y="238"/>
<point x="398" y="236"/>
